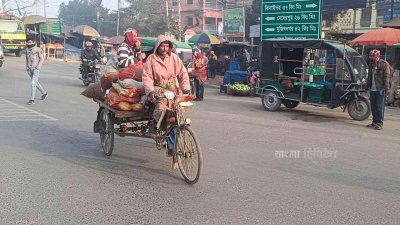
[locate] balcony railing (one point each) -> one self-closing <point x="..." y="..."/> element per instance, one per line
<point x="213" y="5"/>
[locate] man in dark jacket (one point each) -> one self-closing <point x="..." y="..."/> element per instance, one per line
<point x="88" y="54"/>
<point x="378" y="83"/>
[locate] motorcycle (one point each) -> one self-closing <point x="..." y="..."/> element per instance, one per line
<point x="93" y="71"/>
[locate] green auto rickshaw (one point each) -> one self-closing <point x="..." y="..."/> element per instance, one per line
<point x="315" y="72"/>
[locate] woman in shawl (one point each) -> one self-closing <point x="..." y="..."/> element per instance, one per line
<point x="200" y="73"/>
<point x="129" y="52"/>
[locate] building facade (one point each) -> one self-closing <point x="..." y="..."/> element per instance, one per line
<point x="207" y="12"/>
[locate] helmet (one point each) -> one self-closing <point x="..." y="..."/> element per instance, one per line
<point x="88" y="44"/>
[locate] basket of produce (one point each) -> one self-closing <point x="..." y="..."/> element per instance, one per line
<point x="229" y="90"/>
<point x="240" y="89"/>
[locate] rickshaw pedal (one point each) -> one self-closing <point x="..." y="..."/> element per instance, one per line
<point x="96" y="126"/>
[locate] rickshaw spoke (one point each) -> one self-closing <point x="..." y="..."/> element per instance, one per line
<point x="188" y="154"/>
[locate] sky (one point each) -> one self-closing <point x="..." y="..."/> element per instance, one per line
<point x="53" y="5"/>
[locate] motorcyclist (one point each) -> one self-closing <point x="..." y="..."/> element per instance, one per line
<point x="88" y="54"/>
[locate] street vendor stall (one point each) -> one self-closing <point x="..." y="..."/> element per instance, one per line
<point x="388" y="41"/>
<point x="234" y="63"/>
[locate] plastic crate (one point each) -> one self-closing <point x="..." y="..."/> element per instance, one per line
<point x="314" y="94"/>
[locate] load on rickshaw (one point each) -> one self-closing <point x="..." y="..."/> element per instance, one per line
<point x="316" y="72"/>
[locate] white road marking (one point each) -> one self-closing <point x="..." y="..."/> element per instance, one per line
<point x="26" y="115"/>
<point x="10" y="112"/>
<point x="15" y="112"/>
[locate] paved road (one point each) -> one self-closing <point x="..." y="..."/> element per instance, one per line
<point x="52" y="170"/>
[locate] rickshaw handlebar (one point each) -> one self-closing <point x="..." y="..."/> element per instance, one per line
<point x="158" y="96"/>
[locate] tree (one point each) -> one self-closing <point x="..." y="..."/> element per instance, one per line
<point x="255" y="12"/>
<point x="88" y="12"/>
<point x="252" y="15"/>
<point x="18" y="6"/>
<point x="148" y="17"/>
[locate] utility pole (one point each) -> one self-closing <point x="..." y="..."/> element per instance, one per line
<point x="244" y="21"/>
<point x="354" y="20"/>
<point x="391" y="9"/>
<point x="119" y="5"/>
<point x="44" y="9"/>
<point x="98" y="19"/>
<point x="167" y="16"/>
<point x="179" y="21"/>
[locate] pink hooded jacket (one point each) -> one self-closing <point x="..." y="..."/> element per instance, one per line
<point x="161" y="72"/>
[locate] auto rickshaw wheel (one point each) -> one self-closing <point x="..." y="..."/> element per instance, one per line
<point x="290" y="104"/>
<point x="106" y="132"/>
<point x="359" y="109"/>
<point x="271" y="101"/>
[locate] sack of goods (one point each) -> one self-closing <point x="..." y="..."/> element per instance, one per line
<point x="122" y="90"/>
<point x="126" y="91"/>
<point x="94" y="91"/>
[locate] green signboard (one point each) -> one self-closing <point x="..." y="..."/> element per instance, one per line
<point x="291" y="19"/>
<point x="53" y="26"/>
<point x="234" y="22"/>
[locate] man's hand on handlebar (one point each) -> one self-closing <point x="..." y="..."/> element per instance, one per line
<point x="151" y="96"/>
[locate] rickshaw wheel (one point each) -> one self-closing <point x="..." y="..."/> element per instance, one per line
<point x="271" y="101"/>
<point x="106" y="132"/>
<point x="188" y="154"/>
<point x="290" y="104"/>
<point x="359" y="109"/>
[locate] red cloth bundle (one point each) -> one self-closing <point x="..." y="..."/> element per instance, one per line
<point x="132" y="93"/>
<point x="113" y="99"/>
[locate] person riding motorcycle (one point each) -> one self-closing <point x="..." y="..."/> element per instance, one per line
<point x="88" y="54"/>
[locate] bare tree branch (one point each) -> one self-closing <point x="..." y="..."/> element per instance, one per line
<point x="20" y="6"/>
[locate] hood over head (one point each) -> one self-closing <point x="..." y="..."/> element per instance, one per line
<point x="160" y="39"/>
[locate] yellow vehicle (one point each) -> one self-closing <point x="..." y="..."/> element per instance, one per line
<point x="12" y="32"/>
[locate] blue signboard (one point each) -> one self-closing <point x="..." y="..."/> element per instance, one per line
<point x="343" y="4"/>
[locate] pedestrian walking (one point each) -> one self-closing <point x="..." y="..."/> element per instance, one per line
<point x="212" y="59"/>
<point x="378" y="84"/>
<point x="34" y="62"/>
<point x="200" y="73"/>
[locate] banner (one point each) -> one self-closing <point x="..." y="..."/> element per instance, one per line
<point x="53" y="26"/>
<point x="234" y="22"/>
